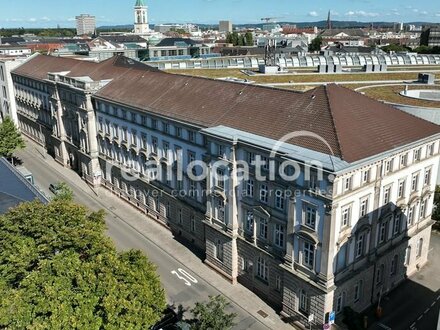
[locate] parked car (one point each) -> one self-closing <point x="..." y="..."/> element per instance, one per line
<point x="53" y="188"/>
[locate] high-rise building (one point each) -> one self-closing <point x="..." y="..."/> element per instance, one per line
<point x="141" y="18"/>
<point x="85" y="24"/>
<point x="225" y="26"/>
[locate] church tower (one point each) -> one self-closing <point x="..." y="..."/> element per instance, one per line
<point x="141" y="18"/>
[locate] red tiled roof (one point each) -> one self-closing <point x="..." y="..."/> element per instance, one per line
<point x="354" y="126"/>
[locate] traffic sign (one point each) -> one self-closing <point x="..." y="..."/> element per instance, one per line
<point x="331" y="318"/>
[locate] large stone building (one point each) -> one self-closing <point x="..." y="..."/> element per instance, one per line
<point x="314" y="200"/>
<point x="85" y="24"/>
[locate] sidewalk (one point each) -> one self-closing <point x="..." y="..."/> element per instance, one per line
<point x="162" y="237"/>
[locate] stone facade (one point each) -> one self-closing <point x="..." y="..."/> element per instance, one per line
<point x="338" y="235"/>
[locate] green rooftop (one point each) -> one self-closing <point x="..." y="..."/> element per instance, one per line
<point x="140" y="3"/>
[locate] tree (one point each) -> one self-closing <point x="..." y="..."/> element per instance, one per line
<point x="241" y="41"/>
<point x="10" y="138"/>
<point x="211" y="315"/>
<point x="249" y="39"/>
<point x="63" y="192"/>
<point x="315" y="46"/>
<point x="395" y="48"/>
<point x="58" y="270"/>
<point x="234" y="38"/>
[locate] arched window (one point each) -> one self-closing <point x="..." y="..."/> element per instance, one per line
<point x="408" y="255"/>
<point x="419" y="248"/>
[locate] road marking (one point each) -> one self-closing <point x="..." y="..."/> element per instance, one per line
<point x="384" y="326"/>
<point x="433" y="303"/>
<point x="419" y="318"/>
<point x="413" y="325"/>
<point x="186" y="277"/>
<point x="426" y="311"/>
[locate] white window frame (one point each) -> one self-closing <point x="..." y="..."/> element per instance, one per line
<point x="279" y="235"/>
<point x="345" y="216"/>
<point x="308" y="255"/>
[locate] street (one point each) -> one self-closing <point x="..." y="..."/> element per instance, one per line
<point x="184" y="276"/>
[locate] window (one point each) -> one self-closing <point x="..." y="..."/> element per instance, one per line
<point x="422" y="211"/>
<point x="347" y="183"/>
<point x="393" y="268"/>
<point x="193" y="224"/>
<point x="250" y="158"/>
<point x="407" y="256"/>
<point x="144" y="120"/>
<point x="166" y="128"/>
<point x="346" y="213"/>
<point x="221" y="178"/>
<point x="414" y="182"/>
<point x="340" y="301"/>
<point x="382" y="231"/>
<point x="417" y="154"/>
<point x="166" y="149"/>
<point x="304" y="302"/>
<point x="250" y="188"/>
<point x="363" y="207"/>
<point x="386" y="195"/>
<point x="220" y="150"/>
<point x="310" y="216"/>
<point x="263" y="193"/>
<point x="379" y="274"/>
<point x="279" y="200"/>
<point x="133" y="137"/>
<point x="133" y="117"/>
<point x="278" y="283"/>
<point x="366" y="176"/>
<point x="279" y="235"/>
<point x="154" y="123"/>
<point x="358" y="290"/>
<point x="389" y="166"/>
<point x="155" y="144"/>
<point x="191" y="136"/>
<point x="265" y="163"/>
<point x="419" y="248"/>
<point x="430" y="149"/>
<point x="262" y="269"/>
<point x="263" y="228"/>
<point x="249" y="221"/>
<point x="360" y="245"/>
<point x="427" y="179"/>
<point x="180" y="219"/>
<point x="403" y="160"/>
<point x="308" y="255"/>
<point x="411" y="212"/>
<point x="124" y="134"/>
<point x="219" y="250"/>
<point x="144" y="142"/>
<point x="220" y="209"/>
<point x="397" y="223"/>
<point x="401" y="189"/>
<point x="179" y="132"/>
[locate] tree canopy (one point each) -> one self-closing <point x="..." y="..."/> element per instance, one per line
<point x="58" y="270"/>
<point x="212" y="315"/>
<point x="315" y="45"/>
<point x="10" y="138"/>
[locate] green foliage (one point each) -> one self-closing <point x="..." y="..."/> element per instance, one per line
<point x="58" y="270"/>
<point x="211" y="315"/>
<point x="233" y="38"/>
<point x="38" y="32"/>
<point x="10" y="138"/>
<point x="395" y="48"/>
<point x="436" y="209"/>
<point x="249" y="39"/>
<point x="63" y="192"/>
<point x="427" y="50"/>
<point x="315" y="45"/>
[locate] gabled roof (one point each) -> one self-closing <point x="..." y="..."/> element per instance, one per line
<point x="353" y="125"/>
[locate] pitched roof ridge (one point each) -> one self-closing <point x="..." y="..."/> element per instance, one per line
<point x="330" y="107"/>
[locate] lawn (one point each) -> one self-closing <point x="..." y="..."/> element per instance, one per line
<point x="297" y="78"/>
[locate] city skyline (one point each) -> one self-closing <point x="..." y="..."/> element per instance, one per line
<point x="31" y="14"/>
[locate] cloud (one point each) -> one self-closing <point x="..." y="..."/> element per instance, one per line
<point x="32" y="20"/>
<point x="360" y="13"/>
<point x="313" y="14"/>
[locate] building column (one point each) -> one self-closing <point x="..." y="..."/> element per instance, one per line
<point x="95" y="168"/>
<point x="290" y="232"/>
<point x="64" y="157"/>
<point x="328" y="246"/>
<point x="234" y="214"/>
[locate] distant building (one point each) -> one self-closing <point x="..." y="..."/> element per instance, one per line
<point x="179" y="48"/>
<point x="430" y="36"/>
<point x="141" y="18"/>
<point x="85" y="24"/>
<point x="225" y="26"/>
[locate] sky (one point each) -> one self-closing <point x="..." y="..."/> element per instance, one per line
<point x="49" y="13"/>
